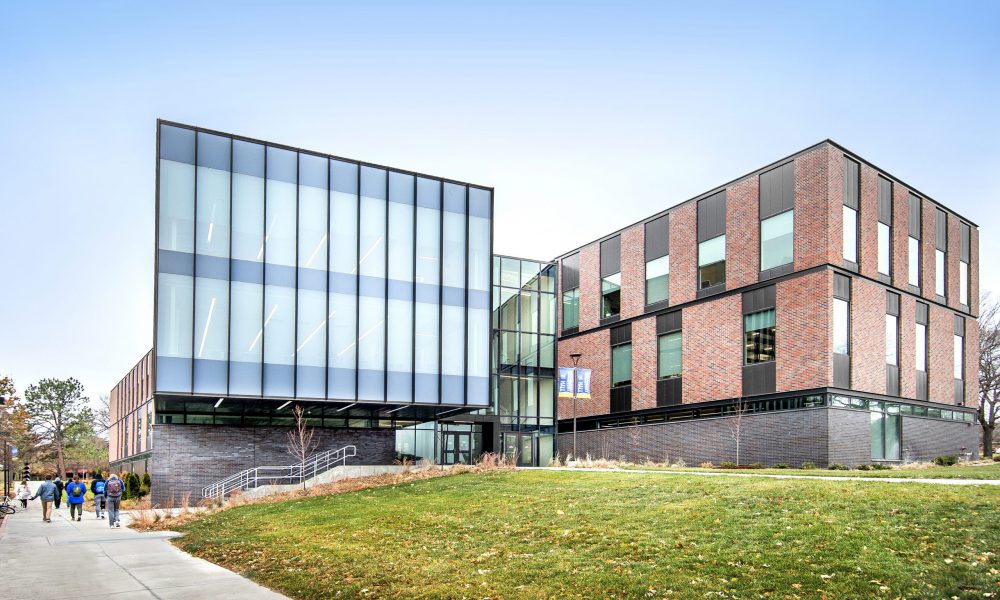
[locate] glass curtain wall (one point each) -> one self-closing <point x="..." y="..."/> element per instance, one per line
<point x="288" y="274"/>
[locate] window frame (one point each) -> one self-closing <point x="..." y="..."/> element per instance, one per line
<point x="665" y="258"/>
<point x="847" y="326"/>
<point x="855" y="234"/>
<point x="791" y="234"/>
<point x="746" y="343"/>
<point x="888" y="249"/>
<point x="612" y="360"/>
<point x="702" y="267"/>
<point x="659" y="365"/>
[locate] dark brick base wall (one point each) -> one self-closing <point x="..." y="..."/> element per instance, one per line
<point x="819" y="435"/>
<point x="188" y="457"/>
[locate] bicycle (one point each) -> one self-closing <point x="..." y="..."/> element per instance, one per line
<point x="6" y="507"/>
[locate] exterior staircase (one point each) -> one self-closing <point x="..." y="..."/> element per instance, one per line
<point x="280" y="476"/>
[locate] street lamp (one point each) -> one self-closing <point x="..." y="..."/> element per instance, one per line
<point x="576" y="360"/>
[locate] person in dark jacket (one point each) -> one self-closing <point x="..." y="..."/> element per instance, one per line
<point x="59" y="486"/>
<point x="113" y="489"/>
<point x="47" y="492"/>
<point x="97" y="489"/>
<point x="75" y="494"/>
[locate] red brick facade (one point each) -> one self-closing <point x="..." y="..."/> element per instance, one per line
<point x="128" y="401"/>
<point x="712" y="330"/>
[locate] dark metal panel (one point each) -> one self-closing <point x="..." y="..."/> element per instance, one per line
<point x="668" y="322"/>
<point x="611" y="256"/>
<point x="621" y="334"/>
<point x="892" y="380"/>
<point x="571" y="272"/>
<point x="759" y="299"/>
<point x="921" y="315"/>
<point x="776" y="272"/>
<point x="966" y="240"/>
<point x="621" y="399"/>
<point x="759" y="379"/>
<point x="884" y="200"/>
<point x="941" y="230"/>
<point x="777" y="190"/>
<point x="921" y="385"/>
<point x="959" y="391"/>
<point x="852" y="183"/>
<point x="841" y="286"/>
<point x="960" y="325"/>
<point x="668" y="391"/>
<point x="914" y="216"/>
<point x="891" y="303"/>
<point x="657" y="238"/>
<point x="712" y="216"/>
<point x="841" y="370"/>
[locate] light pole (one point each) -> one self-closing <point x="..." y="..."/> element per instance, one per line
<point x="576" y="360"/>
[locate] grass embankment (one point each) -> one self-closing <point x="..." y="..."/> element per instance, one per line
<point x="980" y="471"/>
<point x="591" y="534"/>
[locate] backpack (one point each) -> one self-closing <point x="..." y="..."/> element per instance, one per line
<point x="77" y="490"/>
<point x="99" y="487"/>
<point x="114" y="487"/>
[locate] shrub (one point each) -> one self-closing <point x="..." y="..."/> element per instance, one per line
<point x="881" y="467"/>
<point x="808" y="465"/>
<point x="837" y="467"/>
<point x="680" y="464"/>
<point x="132" y="485"/>
<point x="755" y="466"/>
<point x="145" y="484"/>
<point x="865" y="467"/>
<point x="781" y="465"/>
<point x="996" y="457"/>
<point x="946" y="460"/>
<point x="709" y="465"/>
<point x="727" y="464"/>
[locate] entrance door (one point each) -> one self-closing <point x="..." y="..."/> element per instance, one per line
<point x="457" y="448"/>
<point x="519" y="448"/>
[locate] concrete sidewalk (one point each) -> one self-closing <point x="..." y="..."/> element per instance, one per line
<point x="87" y="559"/>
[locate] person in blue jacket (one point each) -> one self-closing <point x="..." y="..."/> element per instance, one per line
<point x="75" y="493"/>
<point x="47" y="492"/>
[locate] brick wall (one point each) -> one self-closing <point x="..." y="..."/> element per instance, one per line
<point x="971" y="362"/>
<point x="867" y="336"/>
<point x="188" y="457"/>
<point x="927" y="246"/>
<point x="644" y="363"/>
<point x="803" y="332"/>
<point x="633" y="271"/>
<point x="683" y="253"/>
<point x="596" y="349"/>
<point x="923" y="439"/>
<point x="743" y="233"/>
<point x="940" y="355"/>
<point x="951" y="260"/>
<point x="868" y="222"/>
<point x="835" y="207"/>
<point x="849" y="436"/>
<point x="907" y="346"/>
<point x="712" y="347"/>
<point x="900" y="235"/>
<point x="590" y="286"/>
<point x="813" y="212"/>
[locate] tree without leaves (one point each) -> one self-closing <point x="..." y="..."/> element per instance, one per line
<point x="57" y="409"/>
<point x="989" y="369"/>
<point x="102" y="416"/>
<point x="736" y="423"/>
<point x="300" y="439"/>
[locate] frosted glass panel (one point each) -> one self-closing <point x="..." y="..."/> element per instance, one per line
<point x="248" y="217"/>
<point x="176" y="206"/>
<point x="173" y="335"/>
<point x="211" y="335"/>
<point x="312" y="228"/>
<point x="343" y="338"/>
<point x="246" y="353"/>
<point x="279" y="340"/>
<point x="213" y="212"/>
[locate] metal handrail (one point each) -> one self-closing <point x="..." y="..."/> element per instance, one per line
<point x="280" y="475"/>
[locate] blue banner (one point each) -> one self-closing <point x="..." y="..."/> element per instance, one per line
<point x="566" y="382"/>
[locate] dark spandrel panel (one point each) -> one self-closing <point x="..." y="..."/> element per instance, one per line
<point x="852" y="181"/>
<point x="913" y="219"/>
<point x="712" y="216"/>
<point x="213" y="151"/>
<point x="281" y="165"/>
<point x="480" y="204"/>
<point x="759" y="378"/>
<point x="892" y="380"/>
<point x="759" y="299"/>
<point x="454" y="198"/>
<point x="571" y="272"/>
<point x="892" y="303"/>
<point x="668" y="322"/>
<point x="611" y="256"/>
<point x="941" y="230"/>
<point x="959" y="391"/>
<point x="428" y="193"/>
<point x="884" y="200"/>
<point x="313" y="170"/>
<point x="248" y="158"/>
<point x="841" y="370"/>
<point x="343" y="177"/>
<point x="373" y="182"/>
<point x="777" y="190"/>
<point x="657" y="238"/>
<point x="668" y="391"/>
<point x="621" y="399"/>
<point x="959" y="325"/>
<point x="841" y="286"/>
<point x="401" y="188"/>
<point x="921" y="314"/>
<point x="921" y="385"/>
<point x="621" y="334"/>
<point x="177" y="144"/>
<point x="966" y="240"/>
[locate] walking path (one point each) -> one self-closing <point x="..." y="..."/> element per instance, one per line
<point x="87" y="559"/>
<point x="773" y="476"/>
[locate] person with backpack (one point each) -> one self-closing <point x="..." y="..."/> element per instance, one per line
<point x="59" y="490"/>
<point x="47" y="492"/>
<point x="113" y="490"/>
<point x="75" y="493"/>
<point x="97" y="489"/>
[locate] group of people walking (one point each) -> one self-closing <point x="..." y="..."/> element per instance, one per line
<point x="107" y="497"/>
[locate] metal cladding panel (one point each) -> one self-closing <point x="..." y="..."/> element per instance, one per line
<point x="941" y="230"/>
<point x="959" y="325"/>
<point x="913" y="219"/>
<point x="571" y="272"/>
<point x="611" y="256"/>
<point x="668" y="391"/>
<point x="892" y="380"/>
<point x="921" y="385"/>
<point x="668" y="322"/>
<point x="759" y="379"/>
<point x="959" y="391"/>
<point x="621" y="399"/>
<point x="777" y="190"/>
<point x="621" y="334"/>
<point x="657" y="237"/>
<point x="841" y="286"/>
<point x="759" y="299"/>
<point x="841" y="370"/>
<point x="884" y="200"/>
<point x="712" y="216"/>
<point x="891" y="303"/>
<point x="966" y="234"/>
<point x="921" y="313"/>
<point x="852" y="183"/>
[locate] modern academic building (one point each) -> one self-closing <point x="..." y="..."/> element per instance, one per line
<point x="823" y="304"/>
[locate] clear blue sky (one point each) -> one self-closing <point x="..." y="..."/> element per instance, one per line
<point x="584" y="116"/>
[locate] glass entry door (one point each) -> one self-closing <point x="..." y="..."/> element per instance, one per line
<point x="519" y="448"/>
<point x="457" y="448"/>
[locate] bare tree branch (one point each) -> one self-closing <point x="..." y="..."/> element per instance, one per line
<point x="989" y="369"/>
<point x="300" y="439"/>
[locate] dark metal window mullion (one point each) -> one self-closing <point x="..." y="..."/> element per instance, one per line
<point x="440" y="366"/>
<point x="229" y="265"/>
<point x="295" y="313"/>
<point x="263" y="279"/>
<point x="357" y="289"/>
<point x="413" y="307"/>
<point x="329" y="220"/>
<point x="385" y="301"/>
<point x="194" y="260"/>
<point x="465" y="311"/>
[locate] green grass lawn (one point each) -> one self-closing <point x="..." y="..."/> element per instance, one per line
<point x="588" y="534"/>
<point x="990" y="471"/>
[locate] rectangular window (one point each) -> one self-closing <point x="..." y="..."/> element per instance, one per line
<point x="959" y="347"/>
<point x="939" y="273"/>
<point x="891" y="340"/>
<point x="963" y="283"/>
<point x="913" y="259"/>
<point x="621" y="365"/>
<point x="669" y="355"/>
<point x="850" y="234"/>
<point x="776" y="240"/>
<point x="571" y="308"/>
<point x="712" y="262"/>
<point x="841" y="326"/>
<point x="885" y="435"/>
<point x="884" y="248"/>
<point x="611" y="295"/>
<point x="921" y="347"/>
<point x="758" y="337"/>
<point x="658" y="280"/>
